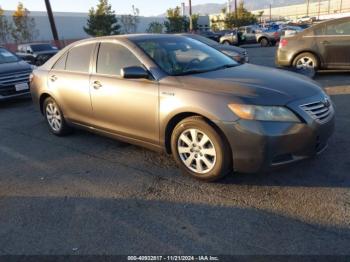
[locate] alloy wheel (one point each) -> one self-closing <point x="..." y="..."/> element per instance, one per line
<point x="196" y="151"/>
<point x="53" y="116"/>
<point x="305" y="63"/>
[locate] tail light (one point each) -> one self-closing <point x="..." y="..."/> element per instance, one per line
<point x="283" y="43"/>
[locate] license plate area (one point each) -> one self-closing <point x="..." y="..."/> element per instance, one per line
<point x="21" y="87"/>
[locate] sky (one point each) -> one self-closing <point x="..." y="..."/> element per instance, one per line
<point x="147" y="7"/>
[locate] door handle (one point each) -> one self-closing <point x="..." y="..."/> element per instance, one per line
<point x="325" y="42"/>
<point x="53" y="78"/>
<point x="97" y="85"/>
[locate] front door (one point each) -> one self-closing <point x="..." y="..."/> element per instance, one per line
<point x="128" y="107"/>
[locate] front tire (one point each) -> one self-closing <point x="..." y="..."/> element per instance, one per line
<point x="200" y="151"/>
<point x="54" y="118"/>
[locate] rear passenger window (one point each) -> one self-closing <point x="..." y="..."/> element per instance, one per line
<point x="78" y="59"/>
<point x="338" y="29"/>
<point x="113" y="57"/>
<point x="61" y="63"/>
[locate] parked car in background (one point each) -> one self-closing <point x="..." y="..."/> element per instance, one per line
<point x="36" y="53"/>
<point x="290" y="31"/>
<point x="305" y="19"/>
<point x="211" y="35"/>
<point x="171" y="93"/>
<point x="322" y="46"/>
<point x="238" y="54"/>
<point x="268" y="37"/>
<point x="248" y="34"/>
<point x="230" y="38"/>
<point x="14" y="75"/>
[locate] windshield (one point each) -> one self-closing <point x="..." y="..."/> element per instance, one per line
<point x="183" y="56"/>
<point x="41" y="47"/>
<point x="7" y="57"/>
<point x="203" y="39"/>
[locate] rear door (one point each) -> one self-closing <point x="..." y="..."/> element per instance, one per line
<point x="334" y="44"/>
<point x="128" y="107"/>
<point x="69" y="80"/>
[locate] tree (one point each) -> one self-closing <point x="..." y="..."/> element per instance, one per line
<point x="260" y="14"/>
<point x="195" y="18"/>
<point x="155" y="28"/>
<point x="102" y="20"/>
<point x="176" y="23"/>
<point x="24" y="26"/>
<point x="5" y="28"/>
<point x="130" y="22"/>
<point x="244" y="17"/>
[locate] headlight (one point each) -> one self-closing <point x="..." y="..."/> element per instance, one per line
<point x="264" y="113"/>
<point x="233" y="54"/>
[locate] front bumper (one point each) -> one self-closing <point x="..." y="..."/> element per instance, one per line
<point x="260" y="145"/>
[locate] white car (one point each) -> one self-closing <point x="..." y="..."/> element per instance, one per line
<point x="305" y="19"/>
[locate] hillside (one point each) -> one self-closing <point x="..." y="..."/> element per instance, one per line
<point x="212" y="8"/>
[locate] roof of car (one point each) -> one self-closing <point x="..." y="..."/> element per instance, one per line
<point x="135" y="37"/>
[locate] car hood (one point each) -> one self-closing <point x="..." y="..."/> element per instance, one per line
<point x="254" y="84"/>
<point x="19" y="66"/>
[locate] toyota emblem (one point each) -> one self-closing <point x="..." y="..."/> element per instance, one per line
<point x="326" y="102"/>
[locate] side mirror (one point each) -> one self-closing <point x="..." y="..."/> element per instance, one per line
<point x="134" y="72"/>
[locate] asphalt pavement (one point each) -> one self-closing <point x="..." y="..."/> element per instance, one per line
<point x="86" y="194"/>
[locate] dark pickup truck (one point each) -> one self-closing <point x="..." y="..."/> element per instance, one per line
<point x="14" y="75"/>
<point x="36" y="54"/>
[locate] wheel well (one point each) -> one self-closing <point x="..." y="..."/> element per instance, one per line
<point x="178" y="118"/>
<point x="41" y="101"/>
<point x="311" y="52"/>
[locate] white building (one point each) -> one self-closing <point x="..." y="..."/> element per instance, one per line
<point x="70" y="25"/>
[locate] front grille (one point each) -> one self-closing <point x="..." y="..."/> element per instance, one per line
<point x="9" y="91"/>
<point x="320" y="111"/>
<point x="14" y="78"/>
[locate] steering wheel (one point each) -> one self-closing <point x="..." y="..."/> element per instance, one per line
<point x="192" y="62"/>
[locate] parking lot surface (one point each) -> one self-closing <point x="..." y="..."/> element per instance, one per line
<point x="86" y="194"/>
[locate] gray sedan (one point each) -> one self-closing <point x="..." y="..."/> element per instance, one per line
<point x="175" y="94"/>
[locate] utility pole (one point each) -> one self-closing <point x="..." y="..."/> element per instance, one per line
<point x="190" y="9"/>
<point x="236" y="14"/>
<point x="341" y="5"/>
<point x="319" y="9"/>
<point x="52" y="22"/>
<point x="307" y="7"/>
<point x="329" y="6"/>
<point x="270" y="12"/>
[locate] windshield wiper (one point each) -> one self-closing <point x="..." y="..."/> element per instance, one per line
<point x="224" y="67"/>
<point x="198" y="71"/>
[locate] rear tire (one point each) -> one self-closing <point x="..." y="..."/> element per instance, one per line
<point x="306" y="63"/>
<point x="54" y="118"/>
<point x="264" y="42"/>
<point x="226" y="42"/>
<point x="200" y="151"/>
